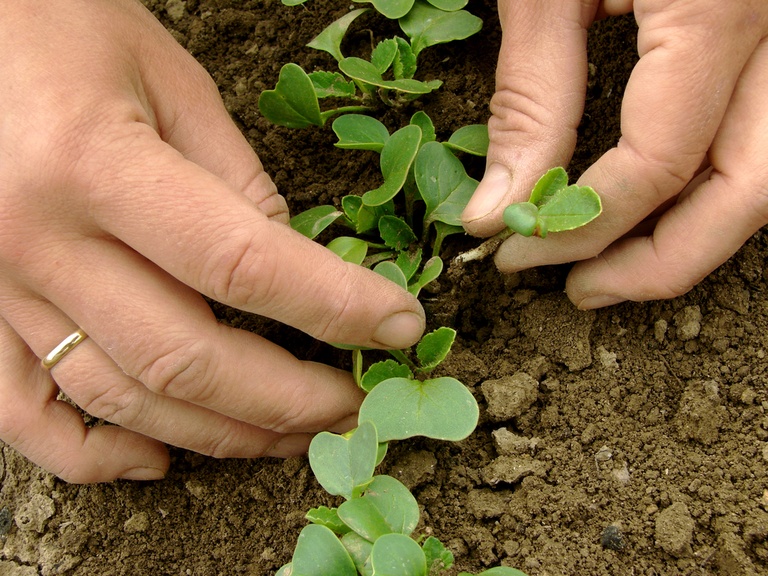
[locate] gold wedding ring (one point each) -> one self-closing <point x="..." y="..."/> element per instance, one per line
<point x="66" y="346"/>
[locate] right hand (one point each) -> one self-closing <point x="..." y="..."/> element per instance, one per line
<point x="125" y="191"/>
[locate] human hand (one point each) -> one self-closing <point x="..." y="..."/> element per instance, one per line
<point x="695" y="105"/>
<point x="125" y="190"/>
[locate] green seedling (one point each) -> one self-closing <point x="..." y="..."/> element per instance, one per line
<point x="553" y="206"/>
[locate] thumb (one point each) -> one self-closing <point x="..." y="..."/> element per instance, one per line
<point x="540" y="84"/>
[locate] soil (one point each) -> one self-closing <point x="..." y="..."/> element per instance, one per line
<point x="628" y="441"/>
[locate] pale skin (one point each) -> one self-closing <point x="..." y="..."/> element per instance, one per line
<point x="125" y="191"/>
<point x="695" y="104"/>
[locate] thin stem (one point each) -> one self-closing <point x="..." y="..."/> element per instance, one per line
<point x="357" y="367"/>
<point x="400" y="356"/>
<point x="485" y="249"/>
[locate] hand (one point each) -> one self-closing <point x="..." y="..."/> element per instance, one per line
<point x="125" y="191"/>
<point x="695" y="101"/>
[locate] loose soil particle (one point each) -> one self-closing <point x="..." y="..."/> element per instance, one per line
<point x="674" y="390"/>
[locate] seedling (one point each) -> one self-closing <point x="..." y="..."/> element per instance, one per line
<point x="553" y="206"/>
<point x="295" y="100"/>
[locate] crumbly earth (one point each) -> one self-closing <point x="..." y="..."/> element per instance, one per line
<point x="627" y="441"/>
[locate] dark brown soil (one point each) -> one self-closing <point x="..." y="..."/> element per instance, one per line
<point x="639" y="445"/>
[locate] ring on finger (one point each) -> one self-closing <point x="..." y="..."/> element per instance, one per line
<point x="64" y="348"/>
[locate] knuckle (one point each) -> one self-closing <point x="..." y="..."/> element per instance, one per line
<point x="515" y="111"/>
<point x="184" y="371"/>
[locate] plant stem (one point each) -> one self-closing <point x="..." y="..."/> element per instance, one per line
<point x="400" y="356"/>
<point x="485" y="249"/>
<point x="357" y="367"/>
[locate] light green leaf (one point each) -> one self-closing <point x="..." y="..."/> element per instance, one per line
<point x="424" y="122"/>
<point x="313" y="221"/>
<point x="497" y="571"/>
<point x="392" y="9"/>
<point x="386" y="507"/>
<point x="329" y="40"/>
<point x="392" y="272"/>
<point x="432" y="269"/>
<point x="360" y="550"/>
<point x="438" y="556"/>
<point x="350" y="249"/>
<point x="364" y="218"/>
<point x="384" y="370"/>
<point x="360" y="132"/>
<point x="293" y="102"/>
<point x="396" y="159"/>
<point x="555" y="180"/>
<point x="569" y="209"/>
<point x="396" y="233"/>
<point x="441" y="408"/>
<point x="404" y="64"/>
<point x="448" y="5"/>
<point x="398" y="555"/>
<point x="331" y="84"/>
<point x="472" y="139"/>
<point x="426" y="25"/>
<point x="522" y="218"/>
<point x="293" y="2"/>
<point x="343" y="465"/>
<point x="443" y="183"/>
<point x="363" y="71"/>
<point x="328" y="517"/>
<point x="286" y="570"/>
<point x="434" y="347"/>
<point x="409" y="263"/>
<point x="320" y="553"/>
<point x="384" y="54"/>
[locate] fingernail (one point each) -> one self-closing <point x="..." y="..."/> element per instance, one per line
<point x="400" y="330"/>
<point x="142" y="473"/>
<point x="289" y="446"/>
<point x="489" y="194"/>
<point x="599" y="301"/>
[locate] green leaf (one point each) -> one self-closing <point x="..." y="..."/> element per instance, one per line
<point x="548" y="185"/>
<point x="432" y="269"/>
<point x="424" y="122"/>
<point x="293" y="102"/>
<point x="327" y="84"/>
<point x="360" y="550"/>
<point x="522" y="218"/>
<point x="409" y="262"/>
<point x="363" y="71"/>
<point x="448" y="5"/>
<point x="392" y="9"/>
<point x="386" y="507"/>
<point x="441" y="408"/>
<point x="472" y="139"/>
<point x="443" y="183"/>
<point x="360" y="132"/>
<point x="328" y="517"/>
<point x="569" y="209"/>
<point x="342" y="465"/>
<point x="497" y="571"/>
<point x="293" y="2"/>
<point x="438" y="556"/>
<point x="434" y="347"/>
<point x="395" y="232"/>
<point x="320" y="553"/>
<point x="350" y="249"/>
<point x="313" y="221"/>
<point x="398" y="555"/>
<point x="364" y="218"/>
<point x="396" y="159"/>
<point x="329" y="40"/>
<point x="404" y="64"/>
<point x="392" y="272"/>
<point x="426" y="26"/>
<point x="384" y="54"/>
<point x="384" y="370"/>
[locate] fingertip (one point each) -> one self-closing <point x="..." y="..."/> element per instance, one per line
<point x="482" y="215"/>
<point x="400" y="330"/>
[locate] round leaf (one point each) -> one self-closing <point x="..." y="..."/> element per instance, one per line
<point x="349" y="249"/>
<point x="398" y="555"/>
<point x="360" y="132"/>
<point x="448" y="5"/>
<point x="293" y="102"/>
<point x="384" y="370"/>
<point x="313" y="221"/>
<point x="570" y="208"/>
<point x="443" y="183"/>
<point x="320" y="553"/>
<point x="386" y="507"/>
<point x="441" y="408"/>
<point x="392" y="271"/>
<point x="434" y="347"/>
<point x="472" y="139"/>
<point x="426" y="26"/>
<point x="395" y="232"/>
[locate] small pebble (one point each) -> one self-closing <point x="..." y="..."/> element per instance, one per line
<point x="612" y="538"/>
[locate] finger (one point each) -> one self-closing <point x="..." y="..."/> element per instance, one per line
<point x="540" y="90"/>
<point x="52" y="433"/>
<point x="707" y="226"/>
<point x="94" y="382"/>
<point x="219" y="244"/>
<point x="177" y="348"/>
<point x="685" y="76"/>
<point x="191" y="117"/>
